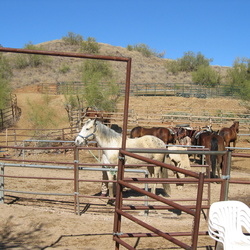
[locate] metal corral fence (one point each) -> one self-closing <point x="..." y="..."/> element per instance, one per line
<point x="146" y="89"/>
<point x="119" y="211"/>
<point x="69" y="172"/>
<point x="10" y="114"/>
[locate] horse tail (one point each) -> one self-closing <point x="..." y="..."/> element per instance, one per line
<point x="164" y="174"/>
<point x="214" y="147"/>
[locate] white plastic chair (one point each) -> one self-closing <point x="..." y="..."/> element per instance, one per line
<point x="227" y="223"/>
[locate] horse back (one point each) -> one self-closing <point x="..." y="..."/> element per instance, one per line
<point x="135" y="132"/>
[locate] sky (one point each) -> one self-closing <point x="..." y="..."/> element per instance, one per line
<point x="219" y="29"/>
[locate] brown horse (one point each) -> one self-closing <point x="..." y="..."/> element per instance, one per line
<point x="167" y="135"/>
<point x="101" y="116"/>
<point x="230" y="134"/>
<point x="213" y="142"/>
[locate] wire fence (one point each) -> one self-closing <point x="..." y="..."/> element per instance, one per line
<point x="147" y="89"/>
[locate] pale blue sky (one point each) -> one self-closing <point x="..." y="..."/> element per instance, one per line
<point x="219" y="29"/>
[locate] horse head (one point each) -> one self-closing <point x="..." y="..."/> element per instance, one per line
<point x="87" y="133"/>
<point x="236" y="126"/>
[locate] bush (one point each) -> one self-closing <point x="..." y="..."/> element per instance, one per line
<point x="72" y="39"/>
<point x="191" y="61"/>
<point x="64" y="68"/>
<point x="207" y="76"/>
<point x="239" y="78"/>
<point x="5" y="75"/>
<point x="100" y="89"/>
<point x="145" y="50"/>
<point x="22" y="61"/>
<point x="41" y="115"/>
<point x="172" y="66"/>
<point x="90" y="46"/>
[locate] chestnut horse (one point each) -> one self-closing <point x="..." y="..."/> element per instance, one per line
<point x="167" y="135"/>
<point x="230" y="134"/>
<point x="213" y="142"/>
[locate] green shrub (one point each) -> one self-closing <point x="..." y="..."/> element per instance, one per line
<point x="191" y="61"/>
<point x="145" y="50"/>
<point x="239" y="78"/>
<point x="5" y="75"/>
<point x="172" y="66"/>
<point x="64" y="68"/>
<point x="206" y="76"/>
<point x="41" y="115"/>
<point x="90" y="46"/>
<point x="22" y="61"/>
<point x="72" y="38"/>
<point x="100" y="89"/>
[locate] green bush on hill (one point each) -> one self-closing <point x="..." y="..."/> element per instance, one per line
<point x="145" y="50"/>
<point x="22" y="61"/>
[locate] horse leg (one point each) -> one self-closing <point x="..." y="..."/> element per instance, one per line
<point x="152" y="171"/>
<point x="104" y="187"/>
<point x="111" y="186"/>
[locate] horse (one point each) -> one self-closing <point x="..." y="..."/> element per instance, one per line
<point x="108" y="138"/>
<point x="92" y="113"/>
<point x="167" y="135"/>
<point x="230" y="134"/>
<point x="180" y="161"/>
<point x="213" y="142"/>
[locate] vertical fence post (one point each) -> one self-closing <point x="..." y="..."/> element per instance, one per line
<point x="2" y="184"/>
<point x="226" y="169"/>
<point x="76" y="181"/>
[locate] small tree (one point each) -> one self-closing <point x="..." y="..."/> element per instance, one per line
<point x="145" y="50"/>
<point x="191" y="61"/>
<point x="207" y="76"/>
<point x="90" y="46"/>
<point x="22" y="61"/>
<point x="100" y="89"/>
<point x="72" y="38"/>
<point x="5" y="75"/>
<point x="239" y="77"/>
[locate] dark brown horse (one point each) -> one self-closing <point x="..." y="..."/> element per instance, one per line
<point x="167" y="135"/>
<point x="230" y="134"/>
<point x="213" y="142"/>
<point x="101" y="116"/>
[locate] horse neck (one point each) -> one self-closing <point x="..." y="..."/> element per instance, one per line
<point x="103" y="139"/>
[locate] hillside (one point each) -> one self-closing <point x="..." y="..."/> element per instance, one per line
<point x="144" y="70"/>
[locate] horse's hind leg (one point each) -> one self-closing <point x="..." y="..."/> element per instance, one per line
<point x="152" y="171"/>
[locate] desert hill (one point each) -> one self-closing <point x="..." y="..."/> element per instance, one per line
<point x="144" y="69"/>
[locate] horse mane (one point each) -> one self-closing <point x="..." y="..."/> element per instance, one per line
<point x="107" y="132"/>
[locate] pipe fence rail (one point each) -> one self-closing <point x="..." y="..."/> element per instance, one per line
<point x="148" y="202"/>
<point x="121" y="180"/>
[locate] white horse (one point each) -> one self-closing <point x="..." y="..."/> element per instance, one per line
<point x="180" y="161"/>
<point x="108" y="138"/>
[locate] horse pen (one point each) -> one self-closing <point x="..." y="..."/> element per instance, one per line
<point x="50" y="185"/>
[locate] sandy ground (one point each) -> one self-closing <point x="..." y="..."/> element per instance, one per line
<point x="48" y="222"/>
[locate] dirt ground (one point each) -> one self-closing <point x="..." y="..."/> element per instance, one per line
<point x="49" y="222"/>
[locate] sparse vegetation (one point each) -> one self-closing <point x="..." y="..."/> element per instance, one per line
<point x="72" y="39"/>
<point x="22" y="61"/>
<point x="190" y="62"/>
<point x="239" y="78"/>
<point x="100" y="89"/>
<point x="90" y="46"/>
<point x="145" y="50"/>
<point x="41" y="115"/>
<point x="206" y="76"/>
<point x="5" y="76"/>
